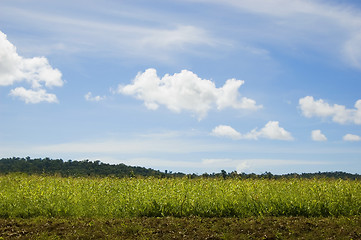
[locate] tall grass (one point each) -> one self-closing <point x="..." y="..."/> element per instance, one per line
<point x="50" y="196"/>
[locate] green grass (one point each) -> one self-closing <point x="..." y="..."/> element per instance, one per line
<point x="49" y="196"/>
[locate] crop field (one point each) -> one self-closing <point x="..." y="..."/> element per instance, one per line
<point x="52" y="207"/>
<point x="48" y="196"/>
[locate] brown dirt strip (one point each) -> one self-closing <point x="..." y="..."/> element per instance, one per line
<point x="182" y="228"/>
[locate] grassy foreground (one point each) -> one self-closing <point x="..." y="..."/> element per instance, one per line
<point x="23" y="196"/>
<point x="50" y="207"/>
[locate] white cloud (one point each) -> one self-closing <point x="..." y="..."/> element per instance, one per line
<point x="33" y="96"/>
<point x="225" y="131"/>
<point x="351" y="137"/>
<point x="35" y="71"/>
<point x="186" y="91"/>
<point x="339" y="113"/>
<point x="316" y="135"/>
<point x="89" y="97"/>
<point x="271" y="130"/>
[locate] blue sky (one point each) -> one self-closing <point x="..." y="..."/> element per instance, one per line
<point x="192" y="85"/>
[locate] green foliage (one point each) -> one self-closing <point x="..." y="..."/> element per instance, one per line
<point x="74" y="168"/>
<point x="51" y="196"/>
<point x="68" y="168"/>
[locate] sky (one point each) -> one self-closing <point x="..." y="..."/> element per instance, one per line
<point x="189" y="86"/>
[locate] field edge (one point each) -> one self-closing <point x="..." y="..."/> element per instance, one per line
<point x="182" y="228"/>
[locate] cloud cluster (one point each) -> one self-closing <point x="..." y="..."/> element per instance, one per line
<point x="186" y="91"/>
<point x="339" y="113"/>
<point x="316" y="135"/>
<point x="271" y="130"/>
<point x="351" y="138"/>
<point x="35" y="71"/>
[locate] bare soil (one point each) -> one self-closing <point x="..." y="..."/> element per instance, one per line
<point x="182" y="228"/>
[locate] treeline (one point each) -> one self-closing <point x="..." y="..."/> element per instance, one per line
<point x="74" y="168"/>
<point x="97" y="168"/>
<point x="268" y="175"/>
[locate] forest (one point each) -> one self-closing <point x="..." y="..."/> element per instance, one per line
<point x="97" y="168"/>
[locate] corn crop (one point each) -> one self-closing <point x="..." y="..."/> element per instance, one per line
<point x="51" y="196"/>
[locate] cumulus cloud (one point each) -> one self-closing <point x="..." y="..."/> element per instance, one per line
<point x="186" y="91"/>
<point x="33" y="96"/>
<point x="226" y="131"/>
<point x="351" y="138"/>
<point x="271" y="130"/>
<point x="89" y="97"/>
<point x="35" y="71"/>
<point x="339" y="113"/>
<point x="316" y="135"/>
